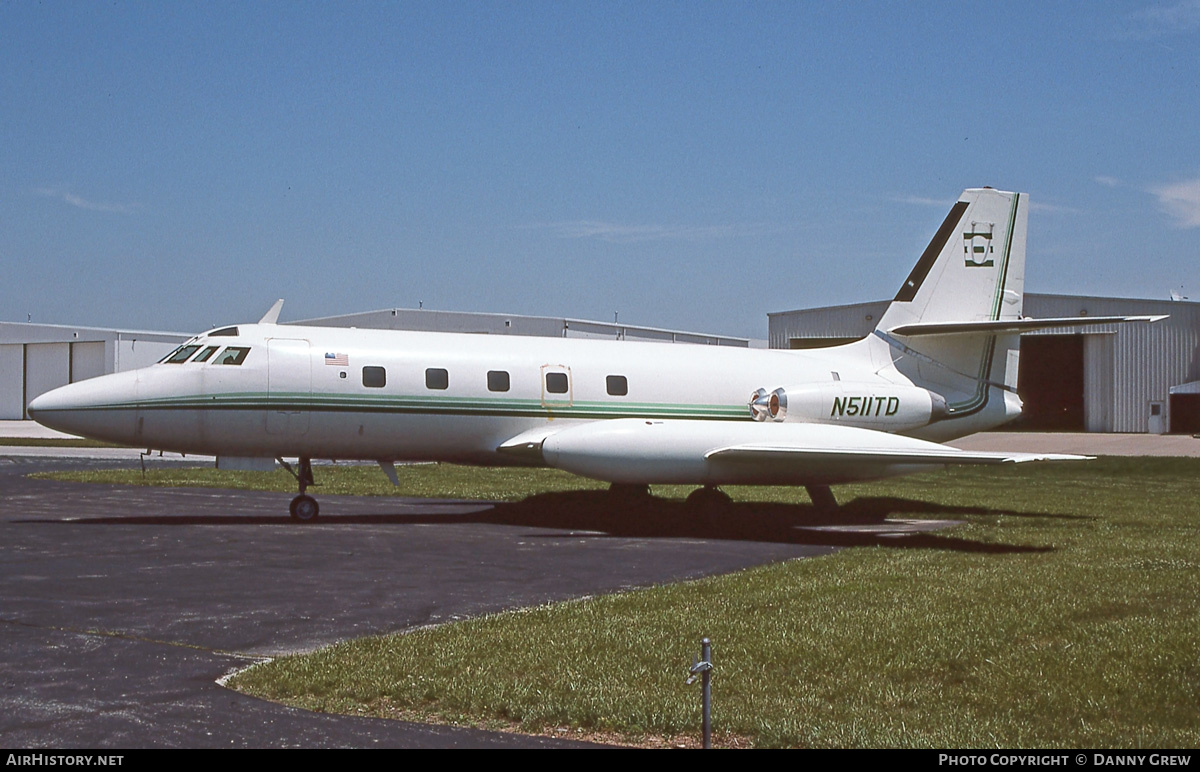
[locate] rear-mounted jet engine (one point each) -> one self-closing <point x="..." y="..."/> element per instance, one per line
<point x="888" y="407"/>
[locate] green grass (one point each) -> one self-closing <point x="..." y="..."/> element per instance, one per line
<point x="425" y="480"/>
<point x="1063" y="613"/>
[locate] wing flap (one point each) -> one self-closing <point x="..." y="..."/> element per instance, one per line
<point x="933" y="456"/>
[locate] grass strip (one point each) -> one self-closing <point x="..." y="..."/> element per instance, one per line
<point x="1063" y="613"/>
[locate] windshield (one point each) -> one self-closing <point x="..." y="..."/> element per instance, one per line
<point x="234" y="355"/>
<point x="180" y="355"/>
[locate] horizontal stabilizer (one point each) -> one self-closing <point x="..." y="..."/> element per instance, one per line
<point x="1012" y="325"/>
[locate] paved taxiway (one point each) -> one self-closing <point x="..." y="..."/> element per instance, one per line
<point x="120" y="608"/>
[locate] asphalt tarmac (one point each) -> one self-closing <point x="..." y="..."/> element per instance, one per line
<point x="120" y="608"/>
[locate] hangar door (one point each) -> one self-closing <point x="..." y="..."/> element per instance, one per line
<point x="47" y="366"/>
<point x="12" y="382"/>
<point x="1050" y="384"/>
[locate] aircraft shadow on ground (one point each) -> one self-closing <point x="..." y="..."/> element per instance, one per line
<point x="859" y="522"/>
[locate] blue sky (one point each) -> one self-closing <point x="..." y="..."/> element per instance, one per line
<point x="690" y="165"/>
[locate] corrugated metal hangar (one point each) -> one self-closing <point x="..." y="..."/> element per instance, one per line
<point x="1112" y="378"/>
<point x="509" y="324"/>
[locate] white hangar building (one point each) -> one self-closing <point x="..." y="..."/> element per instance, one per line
<point x="1111" y="378"/>
<point x="35" y="358"/>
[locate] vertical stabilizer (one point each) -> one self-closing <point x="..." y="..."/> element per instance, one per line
<point x="973" y="270"/>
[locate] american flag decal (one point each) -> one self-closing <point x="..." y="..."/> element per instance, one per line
<point x="337" y="360"/>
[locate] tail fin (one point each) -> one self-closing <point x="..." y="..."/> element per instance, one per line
<point x="972" y="274"/>
<point x="973" y="269"/>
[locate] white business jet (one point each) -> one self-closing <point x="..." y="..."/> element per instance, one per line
<point x="941" y="364"/>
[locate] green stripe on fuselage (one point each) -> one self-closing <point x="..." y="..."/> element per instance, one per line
<point x="407" y="404"/>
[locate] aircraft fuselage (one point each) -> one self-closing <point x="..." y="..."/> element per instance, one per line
<point x="401" y="396"/>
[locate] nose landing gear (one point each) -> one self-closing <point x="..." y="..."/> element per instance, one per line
<point x="304" y="508"/>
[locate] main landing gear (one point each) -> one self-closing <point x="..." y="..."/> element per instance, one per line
<point x="822" y="499"/>
<point x="304" y="508"/>
<point x="709" y="499"/>
<point x="710" y="503"/>
<point x="629" y="494"/>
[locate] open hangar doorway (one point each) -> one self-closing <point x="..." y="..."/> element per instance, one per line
<point x="1066" y="383"/>
<point x="1184" y="409"/>
<point x="1050" y="384"/>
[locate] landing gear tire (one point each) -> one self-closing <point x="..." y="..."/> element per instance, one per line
<point x="304" y="509"/>
<point x="708" y="497"/>
<point x="709" y="503"/>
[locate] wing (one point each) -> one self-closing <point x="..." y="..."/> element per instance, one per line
<point x="630" y="450"/>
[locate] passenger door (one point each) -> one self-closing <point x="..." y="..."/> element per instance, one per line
<point x="289" y="386"/>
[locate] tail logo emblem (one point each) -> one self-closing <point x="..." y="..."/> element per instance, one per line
<point x="977" y="245"/>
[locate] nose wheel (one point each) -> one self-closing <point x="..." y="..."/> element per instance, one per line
<point x="304" y="508"/>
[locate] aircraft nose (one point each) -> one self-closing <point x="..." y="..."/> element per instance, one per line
<point x="44" y="406"/>
<point x="103" y="408"/>
<point x="52" y="401"/>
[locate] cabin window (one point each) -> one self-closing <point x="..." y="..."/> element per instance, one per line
<point x="498" y="380"/>
<point x="617" y="385"/>
<point x="181" y="354"/>
<point x="556" y="383"/>
<point x="437" y="378"/>
<point x="374" y="377"/>
<point x="204" y="355"/>
<point x="234" y="355"/>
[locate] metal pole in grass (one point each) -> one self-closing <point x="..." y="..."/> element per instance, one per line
<point x="703" y="668"/>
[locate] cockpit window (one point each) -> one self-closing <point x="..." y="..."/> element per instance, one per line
<point x="227" y="332"/>
<point x="205" y="354"/>
<point x="181" y="355"/>
<point x="234" y="355"/>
